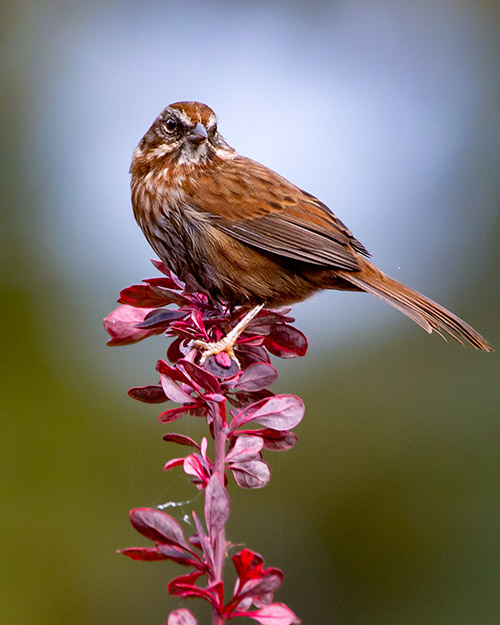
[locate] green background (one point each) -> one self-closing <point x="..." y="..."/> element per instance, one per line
<point x="386" y="512"/>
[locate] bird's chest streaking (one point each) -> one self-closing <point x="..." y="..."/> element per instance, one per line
<point x="175" y="230"/>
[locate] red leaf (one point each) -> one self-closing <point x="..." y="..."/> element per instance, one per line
<point x="217" y="507"/>
<point x="197" y="319"/>
<point x="163" y="281"/>
<point x="166" y="271"/>
<point x="274" y="440"/>
<point x="245" y="448"/>
<point x="281" y="412"/>
<point x="257" y="377"/>
<point x="273" y="614"/>
<point x="173" y="391"/>
<point x="266" y="320"/>
<point x="172" y="371"/>
<point x="251" y="474"/>
<point x="270" y="581"/>
<point x="161" y="552"/>
<point x="221" y="366"/>
<point x="286" y="341"/>
<point x="202" y="377"/>
<point x="193" y="465"/>
<point x="204" y="541"/>
<point x="182" y="616"/>
<point x="248" y="564"/>
<point x="151" y="394"/>
<point x="242" y="400"/>
<point x="173" y="414"/>
<point x="183" y="586"/>
<point x="121" y="325"/>
<point x="177" y="554"/>
<point x="149" y="554"/>
<point x="248" y="354"/>
<point x="158" y="526"/>
<point x="174" y="462"/>
<point x="174" y="352"/>
<point x="180" y="439"/>
<point x="147" y="296"/>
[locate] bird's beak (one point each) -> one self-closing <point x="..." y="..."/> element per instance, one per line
<point x="198" y="134"/>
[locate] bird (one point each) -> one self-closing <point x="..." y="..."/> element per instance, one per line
<point x="248" y="237"/>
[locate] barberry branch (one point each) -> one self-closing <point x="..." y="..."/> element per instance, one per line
<point x="258" y="420"/>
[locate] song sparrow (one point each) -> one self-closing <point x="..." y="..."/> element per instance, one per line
<point x="246" y="235"/>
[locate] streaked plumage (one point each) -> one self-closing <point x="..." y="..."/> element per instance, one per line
<point x="246" y="235"/>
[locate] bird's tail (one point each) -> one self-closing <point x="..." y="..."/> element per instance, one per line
<point x="428" y="314"/>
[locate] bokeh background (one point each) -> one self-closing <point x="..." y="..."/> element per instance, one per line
<point x="388" y="510"/>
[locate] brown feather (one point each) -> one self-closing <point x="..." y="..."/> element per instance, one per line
<point x="245" y="234"/>
<point x="427" y="313"/>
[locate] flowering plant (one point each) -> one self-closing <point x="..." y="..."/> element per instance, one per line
<point x="243" y="417"/>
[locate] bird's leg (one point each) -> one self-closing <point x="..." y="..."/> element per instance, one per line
<point x="227" y="343"/>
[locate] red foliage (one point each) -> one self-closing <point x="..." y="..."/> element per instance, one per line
<point x="208" y="392"/>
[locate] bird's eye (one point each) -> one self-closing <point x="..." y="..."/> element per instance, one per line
<point x="170" y="124"/>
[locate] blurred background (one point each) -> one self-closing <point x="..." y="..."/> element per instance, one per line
<point x="388" y="510"/>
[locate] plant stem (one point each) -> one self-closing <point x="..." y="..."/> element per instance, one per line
<point x="220" y="539"/>
<point x="217" y="619"/>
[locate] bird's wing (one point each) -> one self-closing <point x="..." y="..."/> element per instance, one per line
<point x="260" y="208"/>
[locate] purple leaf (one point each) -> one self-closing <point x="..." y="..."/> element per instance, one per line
<point x="177" y="554"/>
<point x="274" y="440"/>
<point x="248" y="354"/>
<point x="242" y="400"/>
<point x="151" y="394"/>
<point x="161" y="318"/>
<point x="202" y="377"/>
<point x="221" y="368"/>
<point x="270" y="581"/>
<point x="158" y="526"/>
<point x="273" y="614"/>
<point x="148" y="296"/>
<point x="174" y="462"/>
<point x="266" y="321"/>
<point x="161" y="552"/>
<point x="168" y="296"/>
<point x="204" y="542"/>
<point x="245" y="448"/>
<point x="174" y="352"/>
<point x="257" y="377"/>
<point x="262" y="600"/>
<point x="166" y="271"/>
<point x="182" y="616"/>
<point x="148" y="554"/>
<point x="251" y="474"/>
<point x="194" y="465"/>
<point x="173" y="391"/>
<point x="165" y="282"/>
<point x="180" y="439"/>
<point x="286" y="341"/>
<point x="281" y="412"/>
<point x="217" y="507"/>
<point x="184" y="586"/>
<point x="173" y="414"/>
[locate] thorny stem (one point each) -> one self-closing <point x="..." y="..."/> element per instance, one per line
<point x="220" y="539"/>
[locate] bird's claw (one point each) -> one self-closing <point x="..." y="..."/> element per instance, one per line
<point x="225" y="344"/>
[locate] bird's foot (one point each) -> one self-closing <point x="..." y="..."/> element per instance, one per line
<point x="227" y="343"/>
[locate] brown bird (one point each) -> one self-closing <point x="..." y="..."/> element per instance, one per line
<point x="248" y="236"/>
